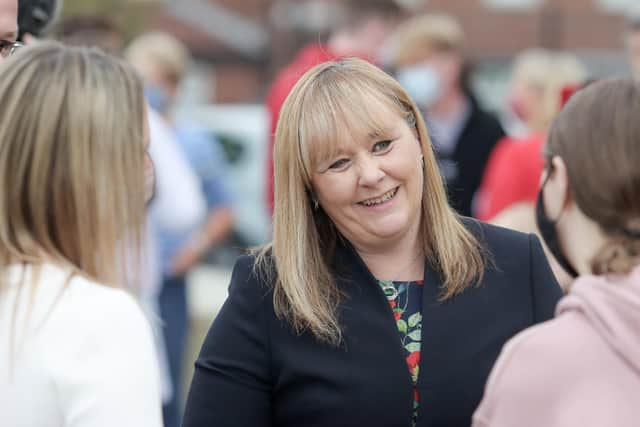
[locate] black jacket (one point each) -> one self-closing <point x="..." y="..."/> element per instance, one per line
<point x="464" y="168"/>
<point x="254" y="372"/>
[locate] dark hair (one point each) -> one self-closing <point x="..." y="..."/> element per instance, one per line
<point x="91" y="31"/>
<point x="358" y="11"/>
<point x="597" y="135"/>
<point x="36" y="16"/>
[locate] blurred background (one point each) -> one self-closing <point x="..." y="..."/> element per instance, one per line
<point x="239" y="46"/>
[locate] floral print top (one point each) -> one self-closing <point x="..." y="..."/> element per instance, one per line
<point x="407" y="310"/>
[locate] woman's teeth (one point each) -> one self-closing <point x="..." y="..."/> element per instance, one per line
<point x="385" y="197"/>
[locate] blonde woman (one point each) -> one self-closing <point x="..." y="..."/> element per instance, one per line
<point x="75" y="348"/>
<point x="583" y="367"/>
<point x="539" y="78"/>
<point x="375" y="304"/>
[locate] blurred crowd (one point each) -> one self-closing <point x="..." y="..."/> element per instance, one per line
<point x="491" y="163"/>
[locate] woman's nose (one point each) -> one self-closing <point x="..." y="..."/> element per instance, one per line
<point x="369" y="171"/>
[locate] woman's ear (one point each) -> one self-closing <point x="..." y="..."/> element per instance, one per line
<point x="556" y="195"/>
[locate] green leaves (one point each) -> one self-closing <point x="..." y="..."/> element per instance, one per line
<point x="415" y="335"/>
<point x="402" y="326"/>
<point x="412" y="347"/>
<point x="414" y="319"/>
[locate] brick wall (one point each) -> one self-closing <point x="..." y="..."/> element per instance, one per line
<point x="491" y="33"/>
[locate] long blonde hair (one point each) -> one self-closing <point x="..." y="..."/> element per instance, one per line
<point x="305" y="291"/>
<point x="71" y="161"/>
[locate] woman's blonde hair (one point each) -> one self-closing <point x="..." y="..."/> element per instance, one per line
<point x="162" y="52"/>
<point x="600" y="128"/>
<point x="548" y="73"/>
<point x="320" y="105"/>
<point x="421" y="35"/>
<point x="71" y="161"/>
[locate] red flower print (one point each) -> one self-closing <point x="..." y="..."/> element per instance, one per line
<point x="392" y="304"/>
<point x="397" y="315"/>
<point x="416" y="396"/>
<point x="412" y="360"/>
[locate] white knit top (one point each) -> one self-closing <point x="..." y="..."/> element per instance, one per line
<point x="83" y="357"/>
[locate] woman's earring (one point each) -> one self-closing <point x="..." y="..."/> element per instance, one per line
<point x="315" y="204"/>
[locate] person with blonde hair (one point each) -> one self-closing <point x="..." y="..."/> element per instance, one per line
<point x="75" y="347"/>
<point x="539" y="78"/>
<point x="375" y="304"/>
<point x="583" y="367"/>
<point x="162" y="61"/>
<point x="429" y="58"/>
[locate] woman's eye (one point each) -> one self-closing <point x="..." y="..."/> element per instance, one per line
<point x="381" y="146"/>
<point x="339" y="164"/>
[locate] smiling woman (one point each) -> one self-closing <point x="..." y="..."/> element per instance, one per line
<point x="324" y="327"/>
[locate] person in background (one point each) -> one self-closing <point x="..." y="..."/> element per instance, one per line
<point x="91" y="30"/>
<point x="539" y="78"/>
<point x="376" y="304"/>
<point x="75" y="347"/>
<point x="430" y="64"/>
<point x="361" y="31"/>
<point x="583" y="367"/>
<point x="162" y="61"/>
<point x="8" y="28"/>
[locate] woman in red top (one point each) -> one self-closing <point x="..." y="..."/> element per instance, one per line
<point x="513" y="172"/>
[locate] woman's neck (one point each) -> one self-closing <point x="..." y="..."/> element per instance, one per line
<point x="585" y="237"/>
<point x="403" y="261"/>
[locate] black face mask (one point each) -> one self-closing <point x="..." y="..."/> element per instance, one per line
<point x="549" y="234"/>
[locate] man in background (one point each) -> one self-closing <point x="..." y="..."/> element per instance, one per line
<point x="364" y="26"/>
<point x="91" y="30"/>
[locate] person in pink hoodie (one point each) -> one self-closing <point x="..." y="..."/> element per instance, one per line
<point x="583" y="367"/>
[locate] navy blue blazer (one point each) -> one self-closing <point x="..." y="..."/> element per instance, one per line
<point x="253" y="371"/>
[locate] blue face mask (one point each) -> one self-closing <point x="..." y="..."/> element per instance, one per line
<point x="157" y="98"/>
<point x="422" y="83"/>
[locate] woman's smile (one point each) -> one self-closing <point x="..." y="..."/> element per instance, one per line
<point x="381" y="202"/>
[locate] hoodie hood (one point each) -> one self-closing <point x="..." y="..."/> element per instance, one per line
<point x="611" y="304"/>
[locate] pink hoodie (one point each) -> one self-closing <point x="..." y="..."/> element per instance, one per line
<point x="580" y="369"/>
